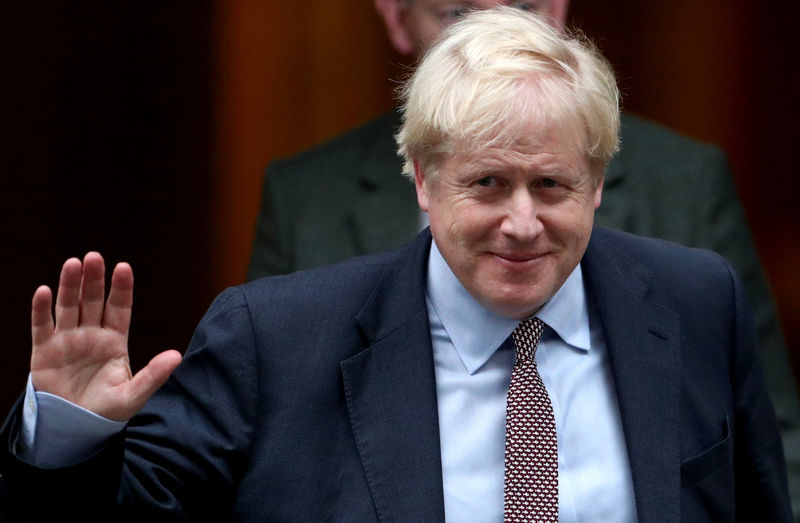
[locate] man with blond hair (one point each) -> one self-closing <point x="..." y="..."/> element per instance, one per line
<point x="512" y="363"/>
<point x="345" y="198"/>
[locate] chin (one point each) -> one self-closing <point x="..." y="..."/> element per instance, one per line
<point x="517" y="305"/>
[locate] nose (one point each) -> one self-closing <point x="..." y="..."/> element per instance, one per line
<point x="521" y="220"/>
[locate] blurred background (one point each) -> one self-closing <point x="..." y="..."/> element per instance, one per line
<point x="142" y="128"/>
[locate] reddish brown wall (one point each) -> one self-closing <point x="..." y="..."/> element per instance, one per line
<point x="287" y="78"/>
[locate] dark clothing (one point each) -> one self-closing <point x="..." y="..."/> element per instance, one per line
<point x="312" y="397"/>
<point x="347" y="198"/>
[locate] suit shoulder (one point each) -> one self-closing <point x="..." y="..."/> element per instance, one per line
<point x="330" y="288"/>
<point x="344" y="151"/>
<point x="667" y="261"/>
<point x="646" y="142"/>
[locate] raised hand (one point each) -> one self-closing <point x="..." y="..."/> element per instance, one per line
<point x="83" y="356"/>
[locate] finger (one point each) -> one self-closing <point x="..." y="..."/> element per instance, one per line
<point x="92" y="290"/>
<point x="69" y="290"/>
<point x="41" y="316"/>
<point x="117" y="314"/>
<point x="149" y="379"/>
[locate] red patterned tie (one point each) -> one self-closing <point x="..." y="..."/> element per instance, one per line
<point x="531" y="482"/>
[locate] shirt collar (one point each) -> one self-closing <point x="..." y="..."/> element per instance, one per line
<point x="567" y="312"/>
<point x="476" y="332"/>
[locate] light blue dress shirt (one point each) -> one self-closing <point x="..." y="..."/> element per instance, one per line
<point x="57" y="433"/>
<point x="473" y="362"/>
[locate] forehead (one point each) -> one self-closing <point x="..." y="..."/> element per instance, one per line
<point x="545" y="153"/>
<point x="529" y="146"/>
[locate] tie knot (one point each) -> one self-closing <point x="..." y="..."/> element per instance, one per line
<point x="526" y="337"/>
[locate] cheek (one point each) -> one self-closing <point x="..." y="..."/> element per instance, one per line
<point x="570" y="221"/>
<point x="461" y="225"/>
<point x="471" y="220"/>
<point x="428" y="29"/>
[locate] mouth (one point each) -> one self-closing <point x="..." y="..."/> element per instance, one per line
<point x="518" y="260"/>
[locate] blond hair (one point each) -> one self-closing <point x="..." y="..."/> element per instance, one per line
<point x="493" y="75"/>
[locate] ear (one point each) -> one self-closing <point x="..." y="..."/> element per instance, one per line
<point x="423" y="189"/>
<point x="598" y="193"/>
<point x="558" y="10"/>
<point x="395" y="16"/>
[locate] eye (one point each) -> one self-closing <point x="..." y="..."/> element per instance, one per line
<point x="549" y="183"/>
<point x="454" y="14"/>
<point x="525" y="6"/>
<point x="535" y="6"/>
<point x="487" y="181"/>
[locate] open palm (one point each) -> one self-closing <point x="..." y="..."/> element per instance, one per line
<point x="82" y="356"/>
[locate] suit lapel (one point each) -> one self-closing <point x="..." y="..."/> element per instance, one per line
<point x="391" y="394"/>
<point x="391" y="397"/>
<point x="643" y="340"/>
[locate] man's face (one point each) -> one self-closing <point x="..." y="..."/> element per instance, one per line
<point x="512" y="224"/>
<point x="414" y="24"/>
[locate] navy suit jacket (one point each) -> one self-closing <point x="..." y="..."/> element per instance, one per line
<point x="311" y="397"/>
<point x="346" y="198"/>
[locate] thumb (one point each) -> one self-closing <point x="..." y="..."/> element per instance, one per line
<point x="150" y="378"/>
